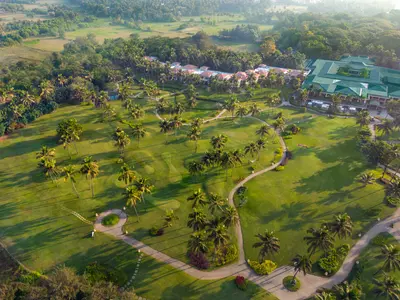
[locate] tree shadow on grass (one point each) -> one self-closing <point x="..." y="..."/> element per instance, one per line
<point x="25" y="147"/>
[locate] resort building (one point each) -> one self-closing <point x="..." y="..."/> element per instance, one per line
<point x="355" y="78"/>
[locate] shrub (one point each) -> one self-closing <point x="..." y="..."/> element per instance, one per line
<point x="2" y="129"/>
<point x="294" y="129"/>
<point x="392" y="201"/>
<point x="29" y="277"/>
<point x="279" y="168"/>
<point x="110" y="220"/>
<point x="287" y="137"/>
<point x="343" y="250"/>
<point x="286" y="133"/>
<point x="95" y="272"/>
<point x="278" y="151"/>
<point x="265" y="268"/>
<point x="241" y="282"/>
<point x="226" y="255"/>
<point x="329" y="263"/>
<point x="290" y="285"/>
<point x="379" y="240"/>
<point x="199" y="260"/>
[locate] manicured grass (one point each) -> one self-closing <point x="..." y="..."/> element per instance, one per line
<point x="110" y="220"/>
<point x="370" y="262"/>
<point x="319" y="182"/>
<point x="290" y="285"/>
<point x="46" y="44"/>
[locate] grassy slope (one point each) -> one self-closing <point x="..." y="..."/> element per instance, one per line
<point x="41" y="234"/>
<point x="371" y="262"/>
<point x="318" y="183"/>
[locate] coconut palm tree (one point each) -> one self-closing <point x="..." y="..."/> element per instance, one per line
<point x="366" y="178"/>
<point x="231" y="104"/>
<point x="169" y="218"/>
<point x="320" y="239"/>
<point x="137" y="112"/>
<point x="126" y="174"/>
<point x="216" y="203"/>
<point x="386" y="127"/>
<point x="228" y="161"/>
<point x="45" y="153"/>
<point x="251" y="149"/>
<point x="279" y="124"/>
<point x="50" y="168"/>
<point x="179" y="109"/>
<point x="194" y="135"/>
<point x="324" y="296"/>
<point x="261" y="144"/>
<point x="90" y="168"/>
<point x="302" y="263"/>
<point x="69" y="174"/>
<point x="393" y="189"/>
<point x="218" y="235"/>
<point x="138" y="131"/>
<point x="254" y="110"/>
<point x="342" y="226"/>
<point x="388" y="288"/>
<point x="391" y="254"/>
<point x="197" y="243"/>
<point x="133" y="196"/>
<point x="230" y="216"/>
<point x="346" y="291"/>
<point x="218" y="142"/>
<point x="143" y="186"/>
<point x="363" y="118"/>
<point x="241" y="111"/>
<point x="263" y="131"/>
<point x="121" y="139"/>
<point x="165" y="127"/>
<point x="268" y="243"/>
<point x="197" y="220"/>
<point x="199" y="198"/>
<point x="196" y="168"/>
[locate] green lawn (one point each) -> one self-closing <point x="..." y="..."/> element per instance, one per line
<point x="370" y="262"/>
<point x="317" y="184"/>
<point x="42" y="234"/>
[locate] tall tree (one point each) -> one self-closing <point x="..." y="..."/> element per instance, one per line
<point x="219" y="141"/>
<point x="90" y="168"/>
<point x="138" y="131"/>
<point x="194" y="135"/>
<point x="320" y="239"/>
<point x="216" y="203"/>
<point x="126" y="174"/>
<point x="341" y="226"/>
<point x="198" y="197"/>
<point x="197" y="243"/>
<point x="137" y="112"/>
<point x="391" y="255"/>
<point x="218" y="235"/>
<point x="254" y="110"/>
<point x="386" y="127"/>
<point x="121" y="139"/>
<point x="388" y="288"/>
<point x="133" y="196"/>
<point x="230" y="216"/>
<point x="197" y="220"/>
<point x="69" y="174"/>
<point x="241" y="111"/>
<point x="263" y="131"/>
<point x="143" y="186"/>
<point x="363" y="118"/>
<point x="268" y="244"/>
<point x="231" y="104"/>
<point x="302" y="263"/>
<point x="165" y="127"/>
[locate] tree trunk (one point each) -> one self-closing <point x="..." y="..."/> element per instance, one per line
<point x="91" y="186"/>
<point x="134" y="207"/>
<point x="195" y="147"/>
<point x="74" y="187"/>
<point x="294" y="277"/>
<point x="384" y="171"/>
<point x="76" y="149"/>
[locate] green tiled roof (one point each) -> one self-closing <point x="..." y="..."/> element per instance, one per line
<point x="380" y="81"/>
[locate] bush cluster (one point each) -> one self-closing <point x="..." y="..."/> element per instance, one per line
<point x="156" y="231"/>
<point x="199" y="260"/>
<point x="265" y="268"/>
<point x="331" y="261"/>
<point x="241" y="282"/>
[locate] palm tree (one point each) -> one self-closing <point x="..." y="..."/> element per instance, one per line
<point x="69" y="174"/>
<point x="302" y="263"/>
<point x="363" y="118"/>
<point x="169" y="218"/>
<point x="126" y="174"/>
<point x="218" y="235"/>
<point x="199" y="198"/>
<point x="231" y="104"/>
<point x="194" y="136"/>
<point x="251" y="149"/>
<point x="228" y="160"/>
<point x="216" y="202"/>
<point x="269" y="244"/>
<point x="90" y="168"/>
<point x="386" y="127"/>
<point x="179" y="109"/>
<point x="230" y="216"/>
<point x="241" y="111"/>
<point x="165" y="127"/>
<point x="254" y="110"/>
<point x="196" y="168"/>
<point x="139" y="132"/>
<point x="197" y="243"/>
<point x="132" y="198"/>
<point x="342" y="226"/>
<point x="121" y="139"/>
<point x="137" y="112"/>
<point x="50" y="168"/>
<point x="324" y="296"/>
<point x="320" y="239"/>
<point x="393" y="189"/>
<point x="218" y="142"/>
<point x="143" y="186"/>
<point x="389" y="288"/>
<point x="366" y="178"/>
<point x="45" y="153"/>
<point x="346" y="291"/>
<point x="263" y="131"/>
<point x="197" y="220"/>
<point x="336" y="100"/>
<point x="260" y="144"/>
<point x="279" y="124"/>
<point x="391" y="254"/>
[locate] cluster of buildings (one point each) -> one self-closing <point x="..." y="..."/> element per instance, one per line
<point x="206" y="74"/>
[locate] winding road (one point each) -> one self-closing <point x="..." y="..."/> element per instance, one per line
<point x="273" y="282"/>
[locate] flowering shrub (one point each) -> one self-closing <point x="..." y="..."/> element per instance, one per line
<point x="265" y="268"/>
<point x="241" y="283"/>
<point x="199" y="260"/>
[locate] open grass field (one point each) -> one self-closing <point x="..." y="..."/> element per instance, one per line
<point x="370" y="263"/>
<point x="10" y="55"/>
<point x="37" y="227"/>
<point x="317" y="184"/>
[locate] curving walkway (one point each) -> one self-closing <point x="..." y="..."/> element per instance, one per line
<point x="273" y="282"/>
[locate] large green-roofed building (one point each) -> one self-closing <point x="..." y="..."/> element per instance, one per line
<point x="355" y="77"/>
